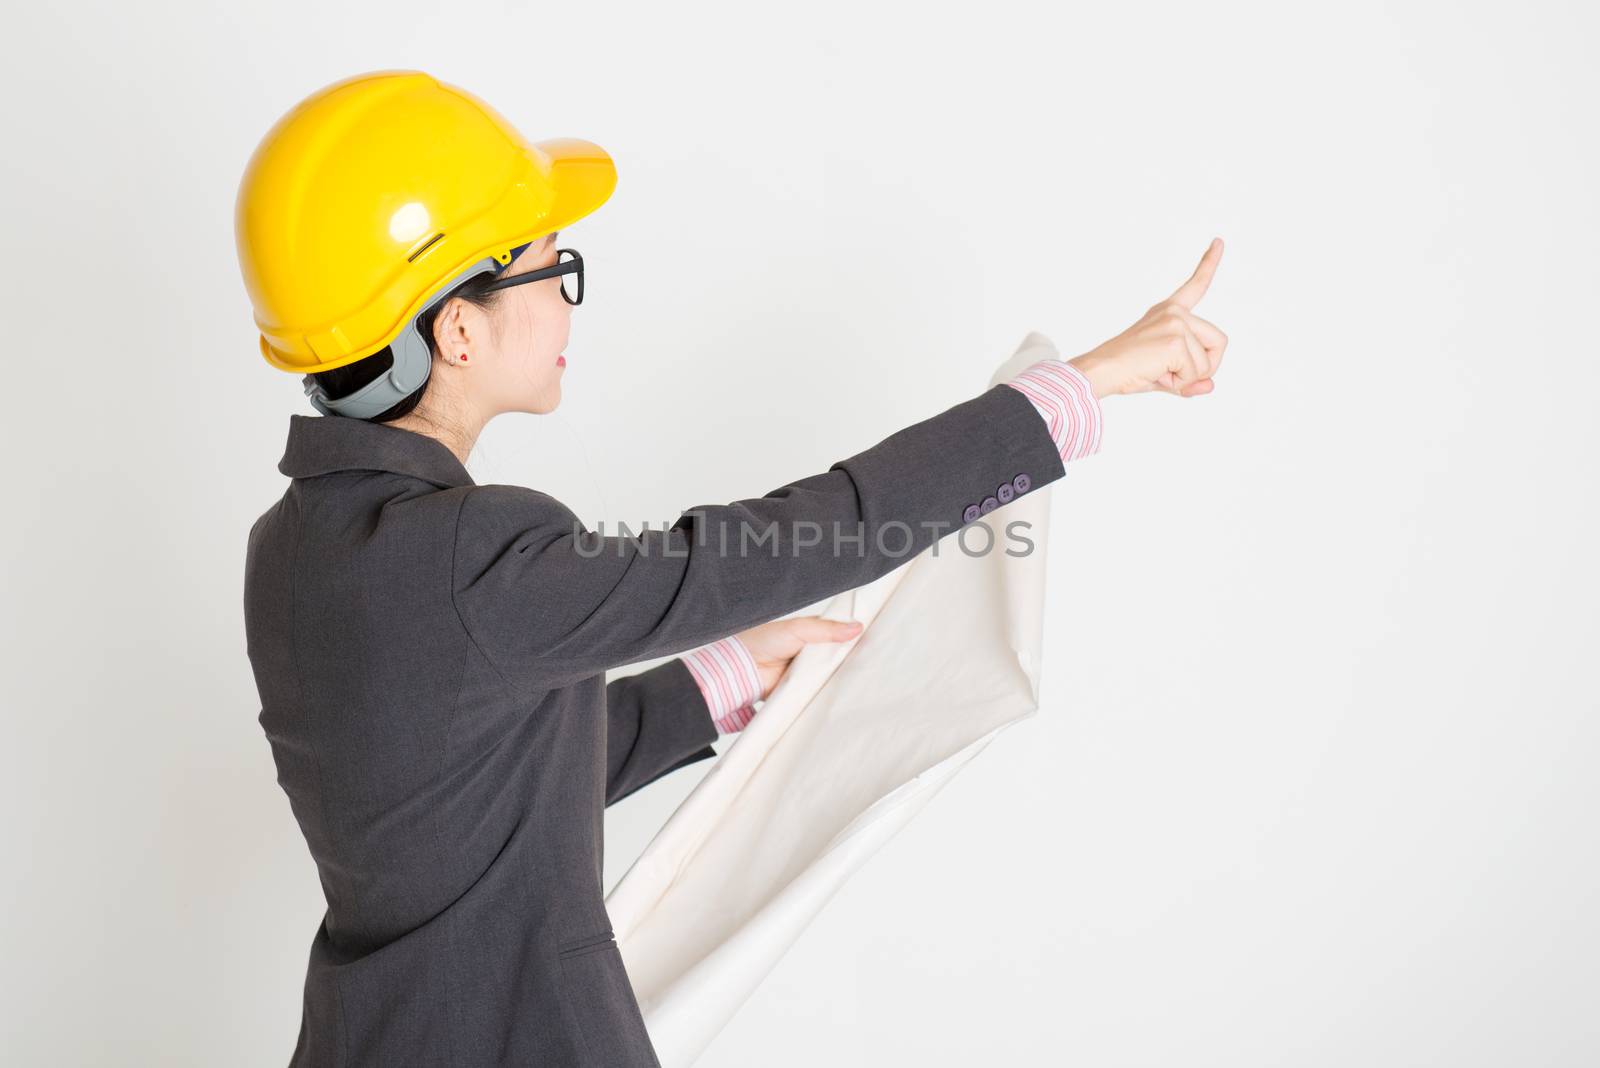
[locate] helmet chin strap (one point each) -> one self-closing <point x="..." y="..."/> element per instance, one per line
<point x="413" y="363"/>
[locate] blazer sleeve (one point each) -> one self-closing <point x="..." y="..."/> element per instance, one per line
<point x="657" y="721"/>
<point x="550" y="602"/>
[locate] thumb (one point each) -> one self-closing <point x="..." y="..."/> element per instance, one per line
<point x="817" y="629"/>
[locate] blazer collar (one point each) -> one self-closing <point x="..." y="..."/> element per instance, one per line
<point x="322" y="444"/>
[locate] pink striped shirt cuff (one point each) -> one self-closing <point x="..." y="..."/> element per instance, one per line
<point x="1066" y="402"/>
<point x="727" y="676"/>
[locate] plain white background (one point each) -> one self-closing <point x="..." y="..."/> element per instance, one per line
<point x="1313" y="781"/>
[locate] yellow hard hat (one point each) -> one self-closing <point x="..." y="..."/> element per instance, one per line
<point x="376" y="194"/>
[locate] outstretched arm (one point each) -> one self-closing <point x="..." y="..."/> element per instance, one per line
<point x="549" y="602"/>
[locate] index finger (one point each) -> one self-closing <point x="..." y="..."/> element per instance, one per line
<point x="1189" y="294"/>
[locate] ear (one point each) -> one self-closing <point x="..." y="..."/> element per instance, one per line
<point x="451" y="329"/>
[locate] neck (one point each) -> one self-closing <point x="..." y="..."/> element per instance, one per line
<point x="448" y="420"/>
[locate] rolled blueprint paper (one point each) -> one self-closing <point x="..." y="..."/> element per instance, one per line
<point x="851" y="744"/>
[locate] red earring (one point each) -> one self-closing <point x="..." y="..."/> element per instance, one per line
<point x="463" y="357"/>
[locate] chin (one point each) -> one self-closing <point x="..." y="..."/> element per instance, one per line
<point x="546" y="404"/>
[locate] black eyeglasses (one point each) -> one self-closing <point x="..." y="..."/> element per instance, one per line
<point x="568" y="262"/>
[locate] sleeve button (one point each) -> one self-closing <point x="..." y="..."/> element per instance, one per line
<point x="989" y="504"/>
<point x="1005" y="492"/>
<point x="1022" y="483"/>
<point x="970" y="514"/>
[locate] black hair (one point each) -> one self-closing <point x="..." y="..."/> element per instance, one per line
<point x="343" y="381"/>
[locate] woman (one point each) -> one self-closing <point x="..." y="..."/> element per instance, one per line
<point x="430" y="653"/>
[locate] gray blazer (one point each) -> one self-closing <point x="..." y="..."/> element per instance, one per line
<point x="430" y="658"/>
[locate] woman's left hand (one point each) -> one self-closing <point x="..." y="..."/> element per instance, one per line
<point x="773" y="645"/>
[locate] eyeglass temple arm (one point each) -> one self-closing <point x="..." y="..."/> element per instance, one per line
<point x="571" y="266"/>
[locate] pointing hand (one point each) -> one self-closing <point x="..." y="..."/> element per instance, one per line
<point x="1170" y="348"/>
